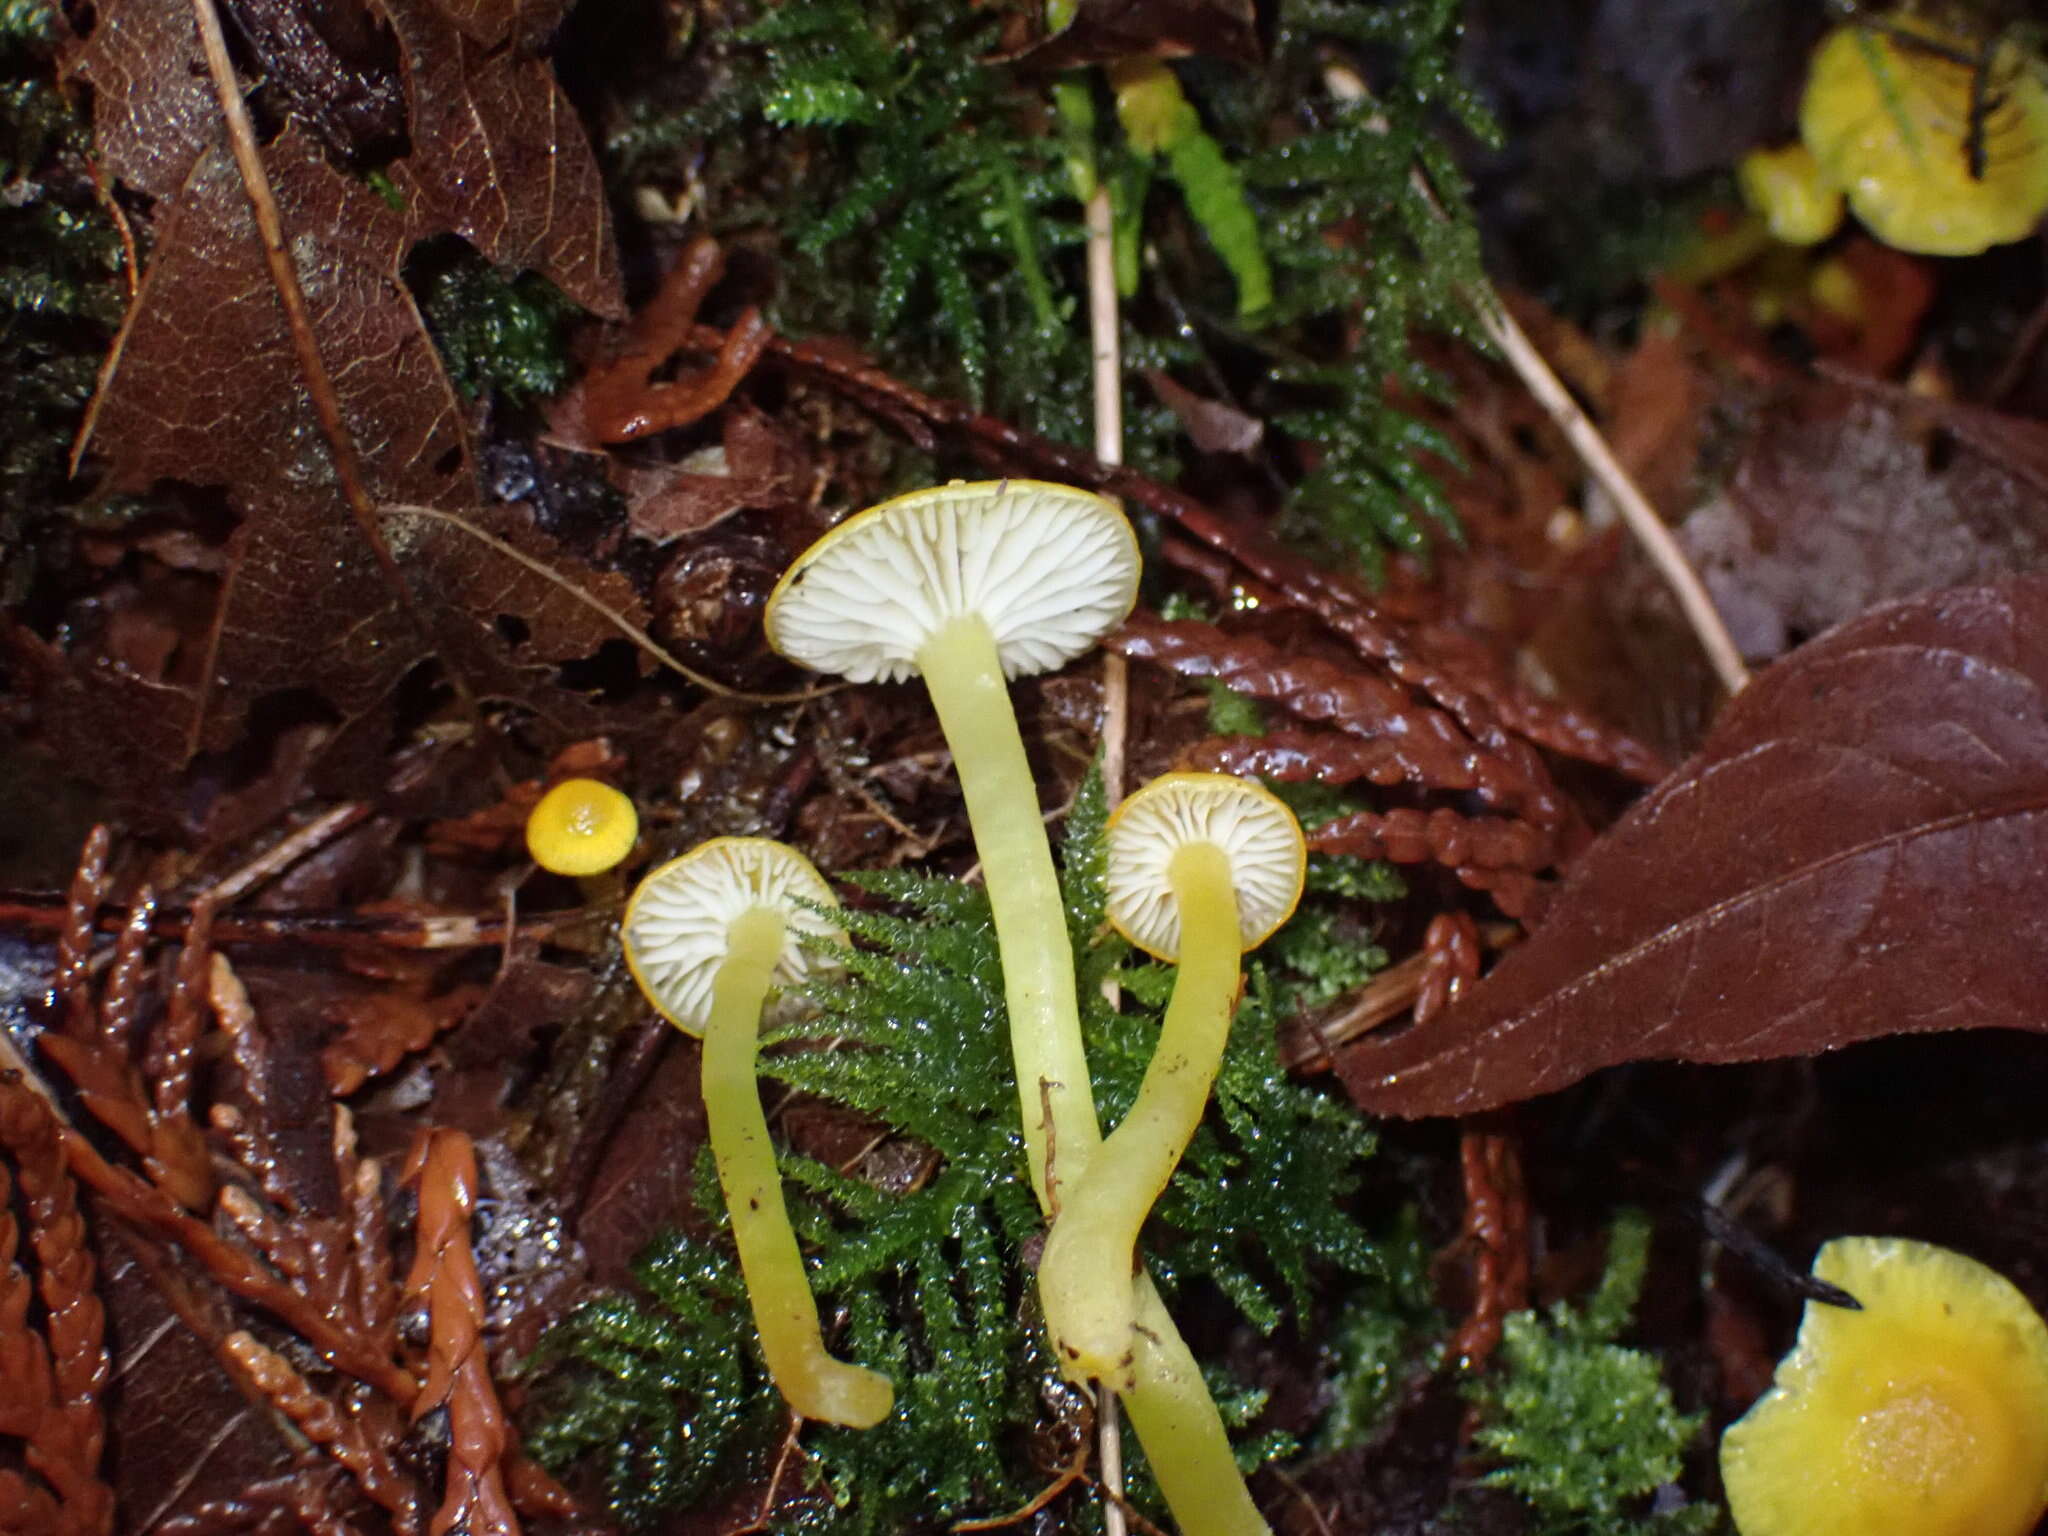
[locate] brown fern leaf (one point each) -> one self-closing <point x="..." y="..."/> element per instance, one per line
<point x="97" y="1043"/>
<point x="342" y="1436"/>
<point x="50" y="1398"/>
<point x="444" y="1276"/>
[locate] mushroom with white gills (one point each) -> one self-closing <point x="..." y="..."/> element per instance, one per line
<point x="707" y="936"/>
<point x="1202" y="867"/>
<point x="970" y="585"/>
<point x="967" y="600"/>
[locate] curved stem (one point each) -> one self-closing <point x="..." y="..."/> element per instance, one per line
<point x="1166" y="1398"/>
<point x="815" y="1385"/>
<point x="1084" y="1278"/>
<point x="1176" y="1421"/>
<point x="973" y="702"/>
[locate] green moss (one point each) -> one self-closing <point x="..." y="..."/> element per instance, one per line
<point x="1270" y="238"/>
<point x="60" y="297"/>
<point x="1583" y="1428"/>
<point x="666" y="1393"/>
<point x="500" y="334"/>
<point x="1232" y="713"/>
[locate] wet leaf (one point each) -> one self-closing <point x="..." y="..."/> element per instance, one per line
<point x="154" y="108"/>
<point x="205" y="388"/>
<point x="499" y="156"/>
<point x="1861" y="849"/>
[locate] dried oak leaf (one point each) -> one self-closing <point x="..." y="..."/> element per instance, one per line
<point x="499" y="156"/>
<point x="204" y="387"/>
<point x="153" y="108"/>
<point x="1860" y="849"/>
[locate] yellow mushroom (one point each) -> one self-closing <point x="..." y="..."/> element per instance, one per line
<point x="1202" y="867"/>
<point x="707" y="936"/>
<point x="967" y="586"/>
<point x="1925" y="1413"/>
<point x="582" y="828"/>
<point x="1940" y="143"/>
<point x="1801" y="205"/>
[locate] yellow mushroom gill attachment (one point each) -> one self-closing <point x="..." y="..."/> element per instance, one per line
<point x="1202" y="868"/>
<point x="707" y="936"/>
<point x="581" y="827"/>
<point x="1939" y="140"/>
<point x="969" y="585"/>
<point x="1924" y="1412"/>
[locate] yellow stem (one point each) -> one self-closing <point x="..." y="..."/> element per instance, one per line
<point x="1177" y="1423"/>
<point x="815" y="1385"/>
<point x="966" y="682"/>
<point x="1084" y="1278"/>
<point x="1166" y="1398"/>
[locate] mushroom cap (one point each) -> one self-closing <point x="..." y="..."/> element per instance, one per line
<point x="674" y="930"/>
<point x="581" y="827"/>
<point x="1050" y="568"/>
<point x="1891" y="123"/>
<point x="1259" y="837"/>
<point x="1923" y="1414"/>
<point x="1797" y="199"/>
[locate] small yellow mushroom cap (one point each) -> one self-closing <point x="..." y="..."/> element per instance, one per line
<point x="1892" y="124"/>
<point x="581" y="827"/>
<point x="1786" y="185"/>
<point x="675" y="926"/>
<point x="1923" y="1414"/>
<point x="1261" y="842"/>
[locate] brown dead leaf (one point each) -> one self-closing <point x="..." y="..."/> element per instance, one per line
<point x="1845" y="499"/>
<point x="205" y="388"/>
<point x="498" y="154"/>
<point x="1861" y="849"/>
<point x="154" y="109"/>
<point x="492" y="23"/>
<point x="1105" y="30"/>
<point x="757" y="464"/>
<point x="1214" y="426"/>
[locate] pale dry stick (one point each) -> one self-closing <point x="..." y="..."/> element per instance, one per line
<point x="1549" y="392"/>
<point x="285" y="852"/>
<point x="1649" y="529"/>
<point x="1107" y="353"/>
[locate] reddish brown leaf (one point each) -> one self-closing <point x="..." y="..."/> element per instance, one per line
<point x="499" y="157"/>
<point x="1861" y="849"/>
<point x="528" y="23"/>
<point x="205" y="388"/>
<point x="153" y="107"/>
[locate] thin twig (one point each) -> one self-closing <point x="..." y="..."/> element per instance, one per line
<point x="618" y="621"/>
<point x="1649" y="529"/>
<point x="285" y="852"/>
<point x="299" y="321"/>
<point x="1106" y="350"/>
<point x="1586" y="441"/>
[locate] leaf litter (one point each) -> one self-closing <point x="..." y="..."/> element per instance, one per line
<point x="278" y="630"/>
